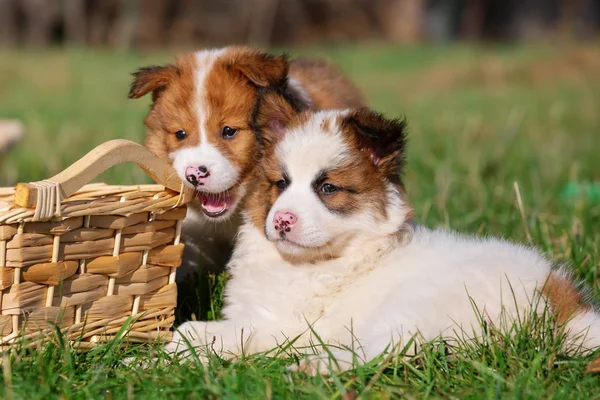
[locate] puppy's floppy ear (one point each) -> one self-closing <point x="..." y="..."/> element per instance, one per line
<point x="263" y="69"/>
<point x="151" y="79"/>
<point x="273" y="114"/>
<point x="384" y="139"/>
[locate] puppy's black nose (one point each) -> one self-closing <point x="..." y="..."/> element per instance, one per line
<point x="192" y="179"/>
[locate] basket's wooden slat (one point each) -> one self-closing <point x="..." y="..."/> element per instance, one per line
<point x="50" y="273"/>
<point x="22" y="257"/>
<point x="5" y="325"/>
<point x="82" y="283"/>
<point x="6" y="277"/>
<point x="162" y="298"/>
<point x="86" y="235"/>
<point x="8" y="231"/>
<point x="74" y="299"/>
<point x="148" y="227"/>
<point x="145" y="273"/>
<point x="54" y="227"/>
<point x="156" y="318"/>
<point x="108" y="307"/>
<point x="29" y="240"/>
<point x="137" y="337"/>
<point x="116" y="221"/>
<point x="48" y="317"/>
<point x="148" y="240"/>
<point x="115" y="267"/>
<point x="134" y="289"/>
<point x="67" y="251"/>
<point x="168" y="256"/>
<point x="175" y="214"/>
<point x="99" y="160"/>
<point x="26" y="296"/>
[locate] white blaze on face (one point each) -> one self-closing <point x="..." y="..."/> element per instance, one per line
<point x="223" y="174"/>
<point x="305" y="152"/>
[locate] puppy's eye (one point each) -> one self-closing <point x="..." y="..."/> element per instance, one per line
<point x="328" y="188"/>
<point x="282" y="184"/>
<point x="228" y="132"/>
<point x="180" y="134"/>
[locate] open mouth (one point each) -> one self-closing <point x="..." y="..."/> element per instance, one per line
<point x="215" y="204"/>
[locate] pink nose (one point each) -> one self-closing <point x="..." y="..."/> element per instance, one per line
<point x="196" y="173"/>
<point x="284" y="221"/>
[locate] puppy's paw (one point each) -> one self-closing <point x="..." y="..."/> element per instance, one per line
<point x="186" y="344"/>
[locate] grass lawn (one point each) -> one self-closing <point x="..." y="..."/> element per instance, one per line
<point x="482" y="121"/>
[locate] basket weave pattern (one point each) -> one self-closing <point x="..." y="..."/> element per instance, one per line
<point x="109" y="254"/>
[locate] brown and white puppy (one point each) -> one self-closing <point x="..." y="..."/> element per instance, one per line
<point x="201" y="121"/>
<point x="328" y="255"/>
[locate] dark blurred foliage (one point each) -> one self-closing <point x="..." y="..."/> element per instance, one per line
<point x="129" y="24"/>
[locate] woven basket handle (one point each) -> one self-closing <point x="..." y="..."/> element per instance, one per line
<point x="93" y="164"/>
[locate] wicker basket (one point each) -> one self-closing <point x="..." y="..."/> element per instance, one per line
<point x="91" y="258"/>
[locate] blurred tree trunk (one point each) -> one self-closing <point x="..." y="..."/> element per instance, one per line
<point x="152" y="21"/>
<point x="40" y="15"/>
<point x="403" y="20"/>
<point x="123" y="37"/>
<point x="75" y="21"/>
<point x="472" y="19"/>
<point x="184" y="25"/>
<point x="262" y="21"/>
<point x="102" y="17"/>
<point x="9" y="32"/>
<point x="571" y="21"/>
<point x="292" y="23"/>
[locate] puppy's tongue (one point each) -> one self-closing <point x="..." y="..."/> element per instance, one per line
<point x="214" y="204"/>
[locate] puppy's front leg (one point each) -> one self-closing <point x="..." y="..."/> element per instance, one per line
<point x="223" y="338"/>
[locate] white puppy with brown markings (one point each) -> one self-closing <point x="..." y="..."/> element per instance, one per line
<point x="328" y="247"/>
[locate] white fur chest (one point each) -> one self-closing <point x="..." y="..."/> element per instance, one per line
<point x="271" y="294"/>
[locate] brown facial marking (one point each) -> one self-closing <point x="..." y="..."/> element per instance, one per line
<point x="264" y="192"/>
<point x="563" y="297"/>
<point x="377" y="146"/>
<point x="357" y="190"/>
<point x="230" y="99"/>
<point x="173" y="110"/>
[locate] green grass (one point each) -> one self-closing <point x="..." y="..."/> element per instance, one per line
<point x="481" y="119"/>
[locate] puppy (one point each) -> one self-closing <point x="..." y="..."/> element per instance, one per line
<point x="201" y="121"/>
<point x="328" y="253"/>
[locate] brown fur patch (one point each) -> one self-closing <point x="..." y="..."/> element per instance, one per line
<point x="380" y="139"/>
<point x="260" y="68"/>
<point x="327" y="86"/>
<point x="174" y="109"/>
<point x="360" y="188"/>
<point x="563" y="297"/>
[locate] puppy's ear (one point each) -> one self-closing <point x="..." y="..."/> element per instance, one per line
<point x="273" y="114"/>
<point x="384" y="139"/>
<point x="263" y="69"/>
<point x="151" y="79"/>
